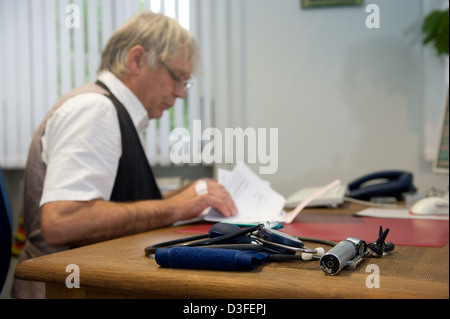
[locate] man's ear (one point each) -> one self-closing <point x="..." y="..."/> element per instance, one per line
<point x="136" y="59"/>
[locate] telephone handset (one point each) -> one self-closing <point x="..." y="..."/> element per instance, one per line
<point x="390" y="184"/>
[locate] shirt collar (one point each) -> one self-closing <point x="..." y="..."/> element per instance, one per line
<point x="131" y="103"/>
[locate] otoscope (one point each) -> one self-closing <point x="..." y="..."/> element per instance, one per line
<point x="350" y="252"/>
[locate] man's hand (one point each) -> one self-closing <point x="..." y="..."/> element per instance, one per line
<point x="188" y="204"/>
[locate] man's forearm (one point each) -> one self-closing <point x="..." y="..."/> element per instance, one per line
<point x="84" y="222"/>
<point x="79" y="223"/>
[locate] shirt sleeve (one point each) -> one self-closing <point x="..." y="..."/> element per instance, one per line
<point x="81" y="148"/>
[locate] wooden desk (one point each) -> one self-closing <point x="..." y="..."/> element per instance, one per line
<point x="119" y="269"/>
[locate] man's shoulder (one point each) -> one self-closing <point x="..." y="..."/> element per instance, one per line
<point x="88" y="101"/>
<point x="86" y="88"/>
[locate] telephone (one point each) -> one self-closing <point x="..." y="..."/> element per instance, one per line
<point x="381" y="184"/>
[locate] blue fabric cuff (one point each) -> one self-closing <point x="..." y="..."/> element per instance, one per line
<point x="209" y="258"/>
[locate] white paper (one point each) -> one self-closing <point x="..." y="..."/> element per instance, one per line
<point x="402" y="213"/>
<point x="255" y="200"/>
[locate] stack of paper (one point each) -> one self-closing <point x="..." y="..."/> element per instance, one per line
<point x="255" y="200"/>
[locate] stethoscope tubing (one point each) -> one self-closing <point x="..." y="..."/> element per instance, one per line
<point x="215" y="243"/>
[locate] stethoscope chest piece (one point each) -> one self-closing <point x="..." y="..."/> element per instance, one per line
<point x="279" y="241"/>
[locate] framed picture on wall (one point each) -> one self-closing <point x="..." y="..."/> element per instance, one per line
<point x="329" y="3"/>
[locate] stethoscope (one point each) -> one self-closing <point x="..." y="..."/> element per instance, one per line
<point x="262" y="237"/>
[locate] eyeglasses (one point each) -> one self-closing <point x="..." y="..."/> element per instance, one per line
<point x="187" y="84"/>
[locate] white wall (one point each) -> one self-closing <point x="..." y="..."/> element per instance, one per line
<point x="347" y="100"/>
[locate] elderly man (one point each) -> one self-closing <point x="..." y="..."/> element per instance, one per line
<point x="87" y="177"/>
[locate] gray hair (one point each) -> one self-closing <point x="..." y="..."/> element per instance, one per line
<point x="162" y="37"/>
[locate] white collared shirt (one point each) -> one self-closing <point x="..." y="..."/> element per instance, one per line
<point x="82" y="143"/>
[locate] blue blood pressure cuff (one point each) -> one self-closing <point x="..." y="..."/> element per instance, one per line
<point x="209" y="258"/>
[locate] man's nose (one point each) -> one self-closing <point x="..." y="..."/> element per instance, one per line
<point x="180" y="91"/>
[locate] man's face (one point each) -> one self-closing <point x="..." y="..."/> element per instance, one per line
<point x="158" y="88"/>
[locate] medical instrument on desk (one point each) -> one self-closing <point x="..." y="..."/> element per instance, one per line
<point x="261" y="237"/>
<point x="350" y="252"/>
